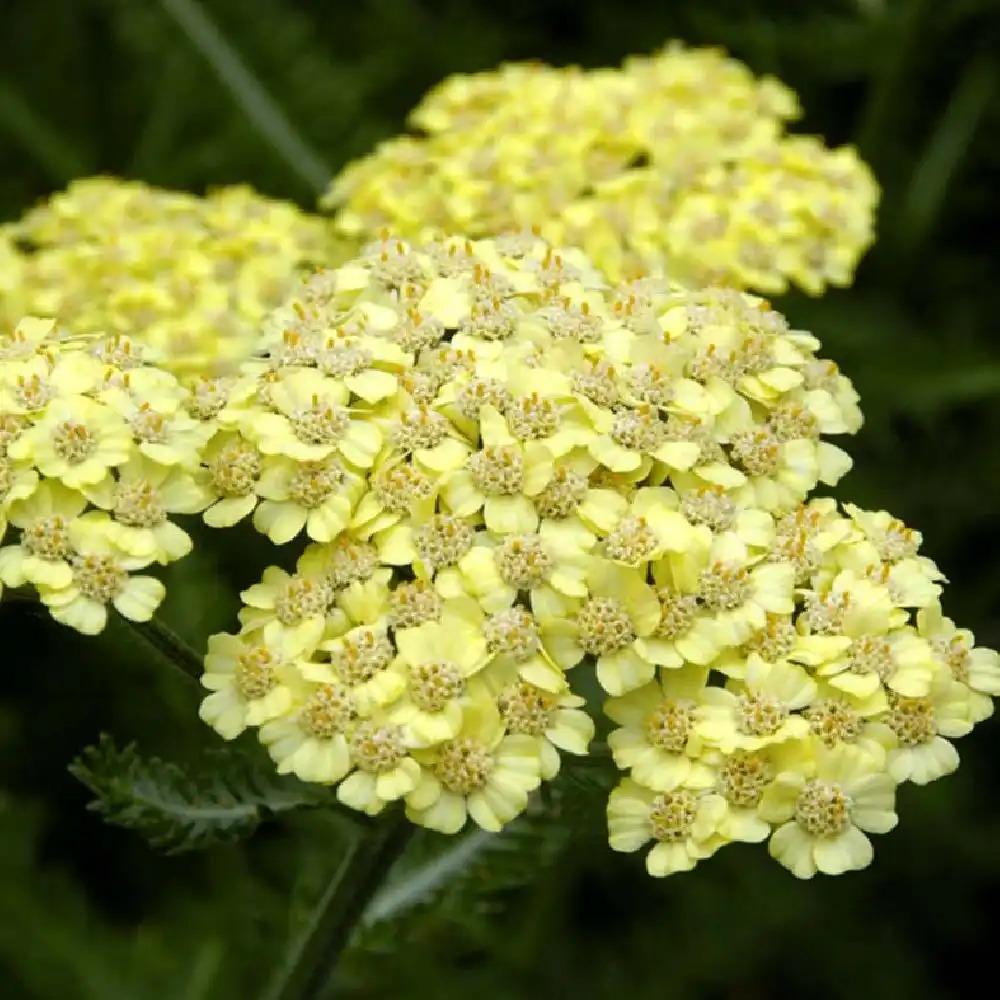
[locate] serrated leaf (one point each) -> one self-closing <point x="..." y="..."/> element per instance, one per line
<point x="177" y="809"/>
<point x="462" y="879"/>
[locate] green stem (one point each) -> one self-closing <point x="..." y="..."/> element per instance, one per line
<point x="170" y="645"/>
<point x="313" y="957"/>
<point x="40" y="138"/>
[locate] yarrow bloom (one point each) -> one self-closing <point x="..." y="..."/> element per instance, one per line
<point x="554" y="489"/>
<point x="498" y="471"/>
<point x="91" y="507"/>
<point x="676" y="163"/>
<point x="189" y="277"/>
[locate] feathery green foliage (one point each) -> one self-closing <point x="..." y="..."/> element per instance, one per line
<point x="180" y="809"/>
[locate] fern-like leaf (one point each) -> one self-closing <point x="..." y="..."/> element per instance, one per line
<point x="177" y="809"/>
<point x="465" y="879"/>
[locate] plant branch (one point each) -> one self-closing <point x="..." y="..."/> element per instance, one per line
<point x="313" y="957"/>
<point x="170" y="645"/>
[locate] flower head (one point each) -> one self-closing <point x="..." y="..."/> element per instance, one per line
<point x="677" y="162"/>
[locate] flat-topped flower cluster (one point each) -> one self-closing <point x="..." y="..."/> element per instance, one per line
<point x="190" y="277"/>
<point x="497" y="469"/>
<point x="676" y="163"/>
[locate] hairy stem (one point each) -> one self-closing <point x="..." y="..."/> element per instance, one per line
<point x="313" y="957"/>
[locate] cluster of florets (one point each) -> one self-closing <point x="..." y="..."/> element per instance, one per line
<point x="803" y="673"/>
<point x="99" y="451"/>
<point x="504" y="469"/>
<point x="192" y="277"/>
<point x="677" y="163"/>
<point x="497" y="468"/>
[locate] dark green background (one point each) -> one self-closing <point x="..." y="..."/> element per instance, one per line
<point x="87" y="911"/>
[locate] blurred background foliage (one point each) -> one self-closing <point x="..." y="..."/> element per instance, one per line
<point x="89" y="911"/>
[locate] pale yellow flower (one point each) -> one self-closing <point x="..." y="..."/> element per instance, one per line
<point x="658" y="743"/>
<point x="435" y="663"/>
<point x="683" y="822"/>
<point x="310" y="740"/>
<point x="101" y="575"/>
<point x="283" y="602"/>
<point x="500" y="479"/>
<point x="384" y="770"/>
<point x="620" y="610"/>
<point x="317" y="496"/>
<point x="27" y="386"/>
<point x="898" y="658"/>
<point x="309" y="421"/>
<point x="555" y="720"/>
<point x="955" y="650"/>
<point x="481" y="773"/>
<point x="759" y="710"/>
<point x="234" y="467"/>
<point x="77" y="441"/>
<point x="145" y="493"/>
<point x="42" y="555"/>
<point x="824" y="808"/>
<point x="915" y="731"/>
<point x="252" y="680"/>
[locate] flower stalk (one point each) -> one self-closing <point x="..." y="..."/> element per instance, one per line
<point x="315" y="954"/>
<point x="170" y="645"/>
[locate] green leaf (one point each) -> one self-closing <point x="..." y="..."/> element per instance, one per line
<point x="466" y="877"/>
<point x="249" y="93"/>
<point x="176" y="809"/>
<point x="945" y="151"/>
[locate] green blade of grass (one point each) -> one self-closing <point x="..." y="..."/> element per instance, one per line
<point x="249" y="93"/>
<point x="944" y="153"/>
<point x="41" y="140"/>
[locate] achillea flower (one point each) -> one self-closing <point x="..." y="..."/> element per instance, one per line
<point x="776" y="666"/>
<point x="759" y="710"/>
<point x="435" y="662"/>
<point x="96" y="455"/>
<point x="43" y="516"/>
<point x="446" y="596"/>
<point x="658" y="742"/>
<point x="78" y="440"/>
<point x="676" y="163"/>
<point x="283" y="601"/>
<point x="556" y="721"/>
<point x="102" y="575"/>
<point x="192" y="278"/>
<point x="384" y="771"/>
<point x="310" y="739"/>
<point x="483" y="772"/>
<point x="684" y="823"/>
<point x="824" y="808"/>
<point x="251" y="679"/>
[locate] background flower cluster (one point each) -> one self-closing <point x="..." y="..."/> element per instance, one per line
<point x="676" y="162"/>
<point x="190" y="277"/>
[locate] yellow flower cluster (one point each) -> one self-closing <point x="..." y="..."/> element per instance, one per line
<point x="837" y="681"/>
<point x="495" y="468"/>
<point x="191" y="277"/>
<point x="97" y="450"/>
<point x="677" y="163"/>
<point x="502" y="466"/>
